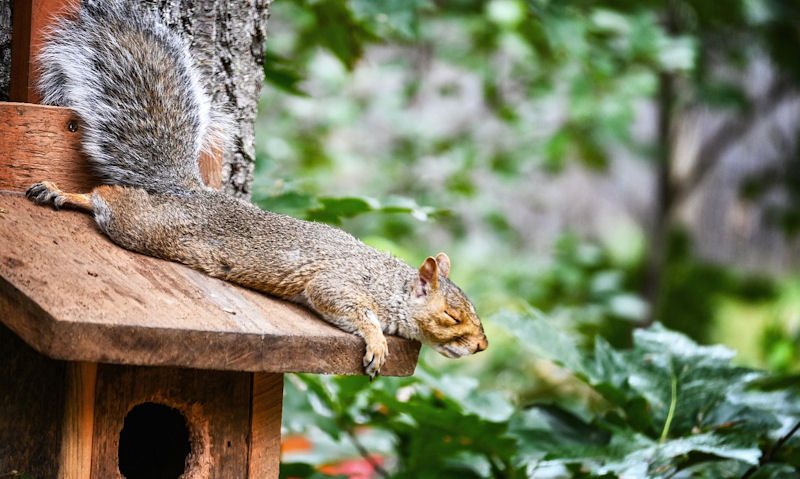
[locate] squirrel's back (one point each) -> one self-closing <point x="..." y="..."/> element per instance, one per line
<point x="134" y="86"/>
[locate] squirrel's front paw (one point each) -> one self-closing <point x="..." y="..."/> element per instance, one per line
<point x="377" y="352"/>
<point x="46" y="192"/>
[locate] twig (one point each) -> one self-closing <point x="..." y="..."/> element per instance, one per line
<point x="726" y="425"/>
<point x="772" y="451"/>
<point x="365" y="454"/>
<point x="783" y="440"/>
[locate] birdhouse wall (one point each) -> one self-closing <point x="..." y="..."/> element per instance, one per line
<point x="214" y="404"/>
<point x="31" y="408"/>
<point x="65" y="420"/>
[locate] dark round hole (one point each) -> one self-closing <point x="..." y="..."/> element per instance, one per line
<point x="154" y="443"/>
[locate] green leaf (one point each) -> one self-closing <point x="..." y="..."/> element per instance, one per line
<point x="543" y="338"/>
<point x="338" y="31"/>
<point x="724" y="95"/>
<point x="333" y="209"/>
<point x="657" y="460"/>
<point x="491" y="406"/>
<point x="401" y="204"/>
<point x="704" y="375"/>
<point x="291" y="203"/>
<point x="280" y="73"/>
<point x="776" y="471"/>
<point x="388" y="17"/>
<point x="676" y="54"/>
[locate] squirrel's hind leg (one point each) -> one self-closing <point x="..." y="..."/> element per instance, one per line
<point x="47" y="192"/>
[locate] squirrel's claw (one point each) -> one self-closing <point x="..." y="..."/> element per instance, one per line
<point x="375" y="358"/>
<point x="46" y="192"/>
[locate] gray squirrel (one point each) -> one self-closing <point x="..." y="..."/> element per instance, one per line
<point x="145" y="119"/>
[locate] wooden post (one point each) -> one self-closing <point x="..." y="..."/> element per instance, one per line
<point x="265" y="425"/>
<point x="31" y="18"/>
<point x="76" y="433"/>
<point x="31" y="404"/>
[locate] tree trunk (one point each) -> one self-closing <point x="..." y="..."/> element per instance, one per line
<point x="665" y="197"/>
<point x="665" y="192"/>
<point x="227" y="40"/>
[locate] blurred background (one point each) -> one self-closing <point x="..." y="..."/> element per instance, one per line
<point x="592" y="168"/>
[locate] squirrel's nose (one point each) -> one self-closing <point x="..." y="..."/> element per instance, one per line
<point x="482" y="344"/>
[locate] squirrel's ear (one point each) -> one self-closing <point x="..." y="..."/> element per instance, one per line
<point x="428" y="275"/>
<point x="444" y="264"/>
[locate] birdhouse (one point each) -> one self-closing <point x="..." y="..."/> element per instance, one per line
<point x="116" y="364"/>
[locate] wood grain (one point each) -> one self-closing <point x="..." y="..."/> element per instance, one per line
<point x="76" y="434"/>
<point x="40" y="143"/>
<point x="31" y="406"/>
<point x="72" y="294"/>
<point x="215" y="404"/>
<point x="265" y="425"/>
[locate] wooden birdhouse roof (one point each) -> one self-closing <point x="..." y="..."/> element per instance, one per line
<point x="72" y="294"/>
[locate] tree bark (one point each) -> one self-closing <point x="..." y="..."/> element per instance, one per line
<point x="227" y="40"/>
<point x="5" y="48"/>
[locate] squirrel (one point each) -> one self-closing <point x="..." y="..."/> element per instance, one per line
<point x="145" y="119"/>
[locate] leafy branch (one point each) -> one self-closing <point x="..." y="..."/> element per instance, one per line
<point x="768" y="457"/>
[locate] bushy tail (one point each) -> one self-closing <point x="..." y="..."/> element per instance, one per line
<point x="131" y="81"/>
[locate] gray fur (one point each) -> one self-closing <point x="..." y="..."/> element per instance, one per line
<point x="134" y="87"/>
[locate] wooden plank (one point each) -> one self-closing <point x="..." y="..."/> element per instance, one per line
<point x="31" y="407"/>
<point x="215" y="405"/>
<point x="76" y="434"/>
<point x="20" y="52"/>
<point x="31" y="19"/>
<point x="39" y="143"/>
<point x="265" y="426"/>
<point x="72" y="294"/>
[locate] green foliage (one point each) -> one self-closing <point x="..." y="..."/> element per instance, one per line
<point x="692" y="288"/>
<point x="281" y="73"/>
<point x="782" y="347"/>
<point x="644" y="403"/>
<point x="440" y="426"/>
<point x="669" y="407"/>
<point x="585" y="283"/>
<point x="332" y="210"/>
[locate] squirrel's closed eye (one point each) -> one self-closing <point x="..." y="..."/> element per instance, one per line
<point x="455" y="320"/>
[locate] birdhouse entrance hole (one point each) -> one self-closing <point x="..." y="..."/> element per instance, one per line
<point x="154" y="443"/>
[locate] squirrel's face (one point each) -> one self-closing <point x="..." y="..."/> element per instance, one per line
<point x="446" y="318"/>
